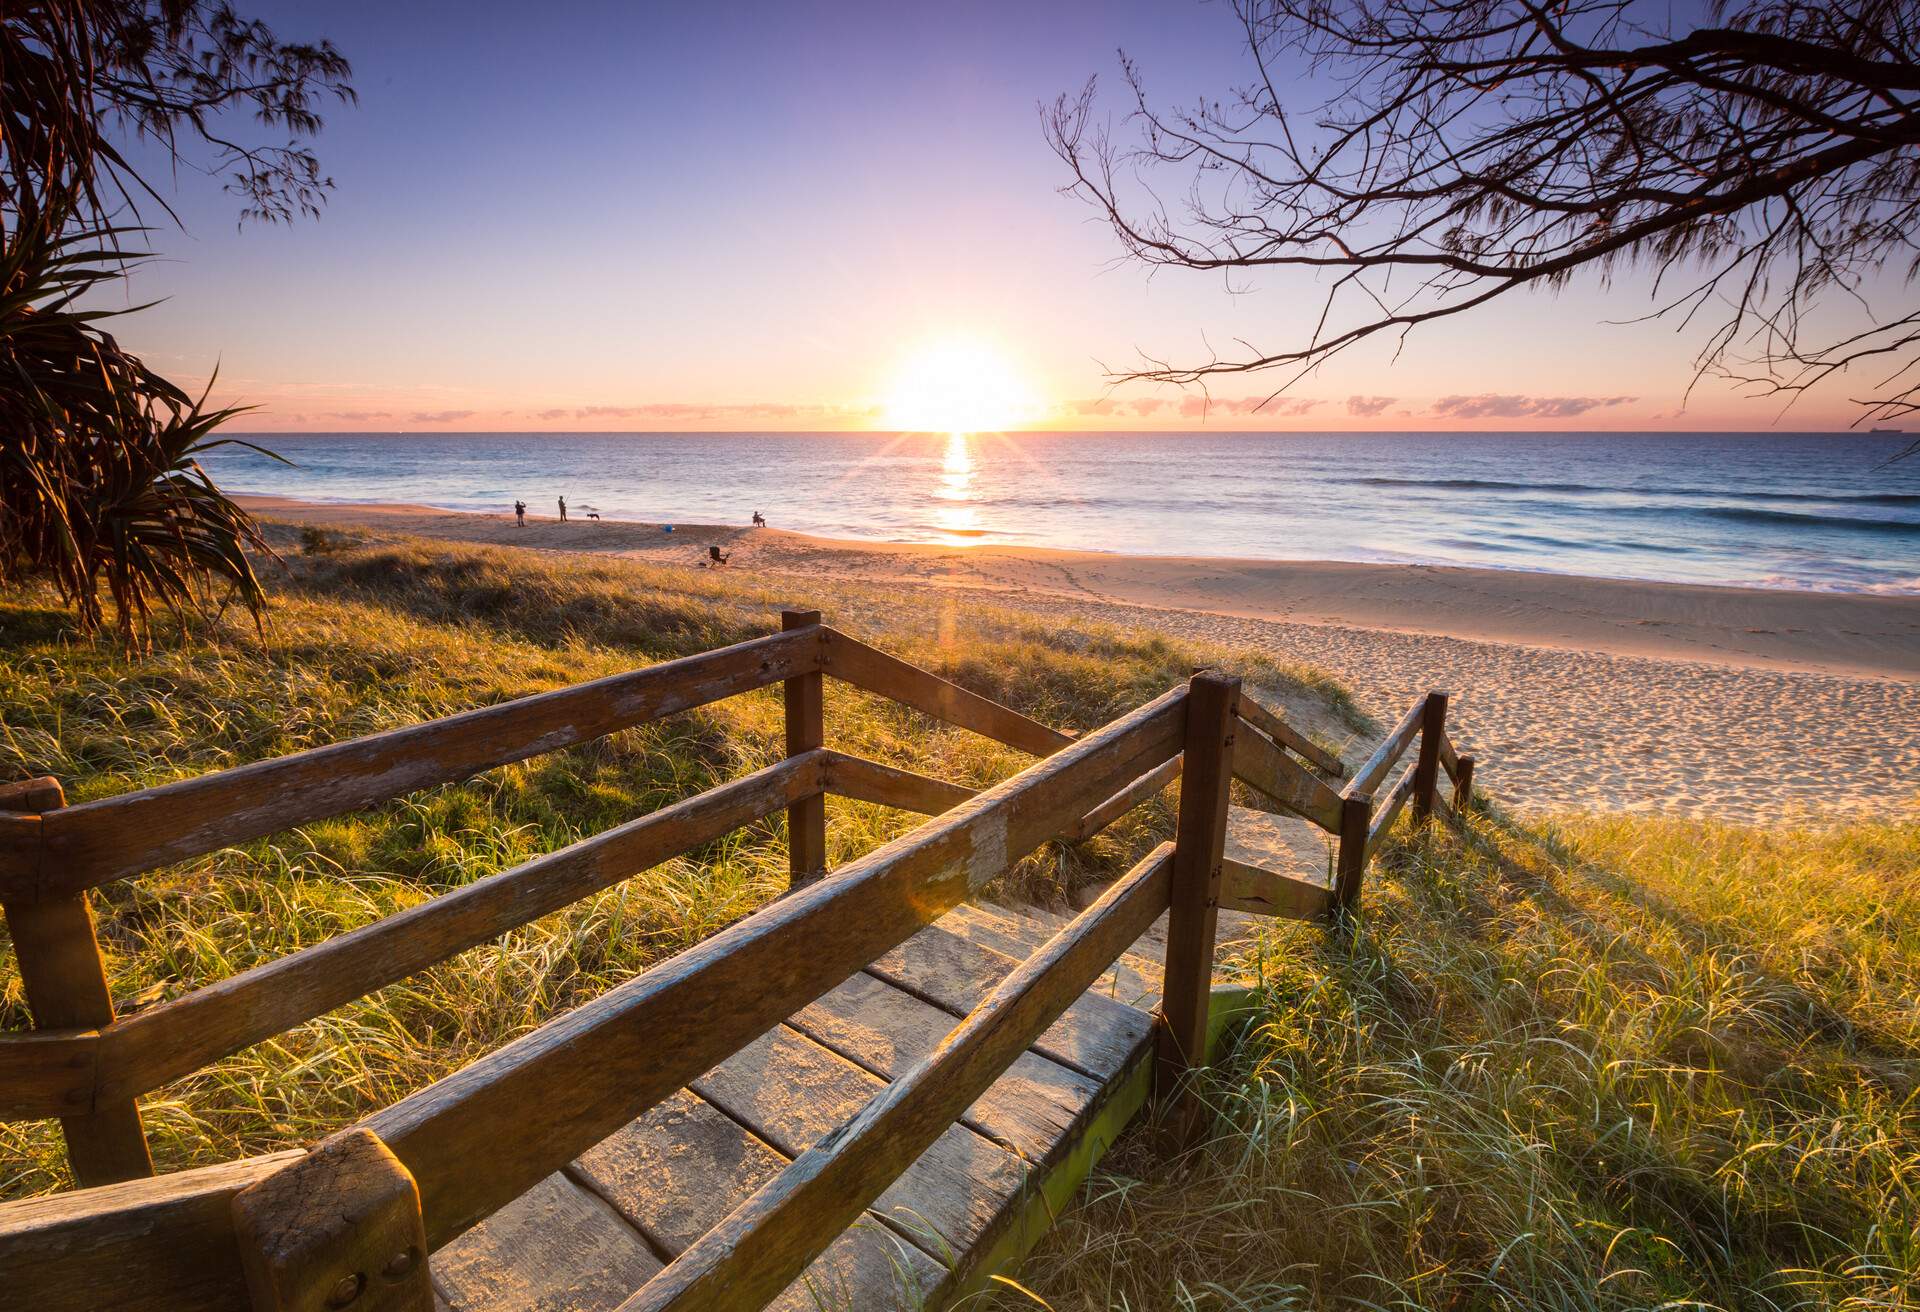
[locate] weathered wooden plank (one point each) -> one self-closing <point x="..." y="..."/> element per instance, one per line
<point x="1200" y="838"/>
<point x="886" y="1030"/>
<point x="1449" y="757"/>
<point x="1463" y="787"/>
<point x="677" y="1171"/>
<point x="887" y="785"/>
<point x="765" y="1242"/>
<point x="1096" y="1036"/>
<point x="1271" y="893"/>
<point x="1390" y="805"/>
<point x="854" y="662"/>
<point x="556" y="1248"/>
<point x="485" y="1134"/>
<point x="1151" y="783"/>
<point x="1367" y="777"/>
<point x="47" y="1074"/>
<point x="793" y="1093"/>
<point x="94" y="842"/>
<point x="58" y="957"/>
<point x="1265" y="767"/>
<point x="160" y="1245"/>
<point x="1284" y="734"/>
<point x="1132" y="980"/>
<point x="806" y="732"/>
<point x="179" y="1037"/>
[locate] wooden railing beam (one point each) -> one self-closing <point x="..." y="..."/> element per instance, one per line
<point x="1285" y="735"/>
<point x="852" y="661"/>
<point x="93" y="843"/>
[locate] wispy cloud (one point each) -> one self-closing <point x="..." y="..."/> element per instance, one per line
<point x="1492" y="405"/>
<point x="1280" y="407"/>
<point x="1366" y="407"/>
<point x="440" y="416"/>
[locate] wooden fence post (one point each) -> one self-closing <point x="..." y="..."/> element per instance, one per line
<point x="66" y="984"/>
<point x="1426" y="773"/>
<point x="806" y="731"/>
<point x="1463" y="786"/>
<point x="1356" y="817"/>
<point x="340" y="1228"/>
<point x="1206" y="782"/>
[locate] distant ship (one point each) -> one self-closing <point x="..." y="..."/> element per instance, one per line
<point x="1901" y="431"/>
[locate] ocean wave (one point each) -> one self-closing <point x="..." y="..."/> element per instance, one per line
<point x="1801" y="519"/>
<point x="1616" y="489"/>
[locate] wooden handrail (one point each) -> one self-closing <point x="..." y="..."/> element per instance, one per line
<point x="769" y="1240"/>
<point x="1263" y="766"/>
<point x="95" y="842"/>
<point x="165" y="1244"/>
<point x="1367" y="777"/>
<point x="853" y="661"/>
<point x="1449" y="757"/>
<point x="1147" y="785"/>
<point x="888" y="785"/>
<point x="484" y="1135"/>
<point x="145" y="1051"/>
<point x="1390" y="807"/>
<point x="1285" y="735"/>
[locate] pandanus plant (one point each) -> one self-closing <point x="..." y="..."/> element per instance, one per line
<point x="101" y="489"/>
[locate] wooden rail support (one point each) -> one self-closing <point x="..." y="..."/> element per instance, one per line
<point x="1200" y="838"/>
<point x="1356" y="818"/>
<point x="1463" y="787"/>
<point x="806" y="731"/>
<point x="66" y="984"/>
<point x="340" y="1228"/>
<point x="1426" y="774"/>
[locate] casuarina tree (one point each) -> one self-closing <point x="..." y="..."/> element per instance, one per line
<point x="1760" y="160"/>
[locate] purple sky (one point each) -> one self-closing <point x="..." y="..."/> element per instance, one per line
<point x="647" y="217"/>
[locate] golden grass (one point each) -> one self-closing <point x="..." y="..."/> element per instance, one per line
<point x="370" y="635"/>
<point x="1606" y="1062"/>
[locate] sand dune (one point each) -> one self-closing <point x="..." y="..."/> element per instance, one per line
<point x="1591" y="693"/>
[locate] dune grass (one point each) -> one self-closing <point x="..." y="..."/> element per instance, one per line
<point x="1596" y="1063"/>
<point x="369" y="635"/>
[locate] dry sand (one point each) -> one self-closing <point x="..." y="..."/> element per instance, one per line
<point x="1750" y="704"/>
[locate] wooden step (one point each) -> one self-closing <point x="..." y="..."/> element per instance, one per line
<point x="585" y="1238"/>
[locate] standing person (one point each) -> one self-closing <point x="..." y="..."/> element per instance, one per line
<point x="520" y="513"/>
<point x="563" y="510"/>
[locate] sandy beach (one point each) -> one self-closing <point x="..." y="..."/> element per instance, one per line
<point x="1750" y="704"/>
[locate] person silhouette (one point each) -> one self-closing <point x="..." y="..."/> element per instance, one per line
<point x="520" y="513"/>
<point x="563" y="510"/>
<point x="759" y="520"/>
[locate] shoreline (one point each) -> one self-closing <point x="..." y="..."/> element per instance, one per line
<point x="1858" y="635"/>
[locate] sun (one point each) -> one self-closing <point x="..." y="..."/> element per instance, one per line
<point x="959" y="385"/>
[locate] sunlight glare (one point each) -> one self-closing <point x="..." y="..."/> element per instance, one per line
<point x="958" y="386"/>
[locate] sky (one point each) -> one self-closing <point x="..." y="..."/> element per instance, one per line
<point x="797" y="217"/>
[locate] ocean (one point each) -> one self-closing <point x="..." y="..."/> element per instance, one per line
<point x="1762" y="509"/>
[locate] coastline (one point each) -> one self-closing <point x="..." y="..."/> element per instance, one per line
<point x="1859" y="635"/>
